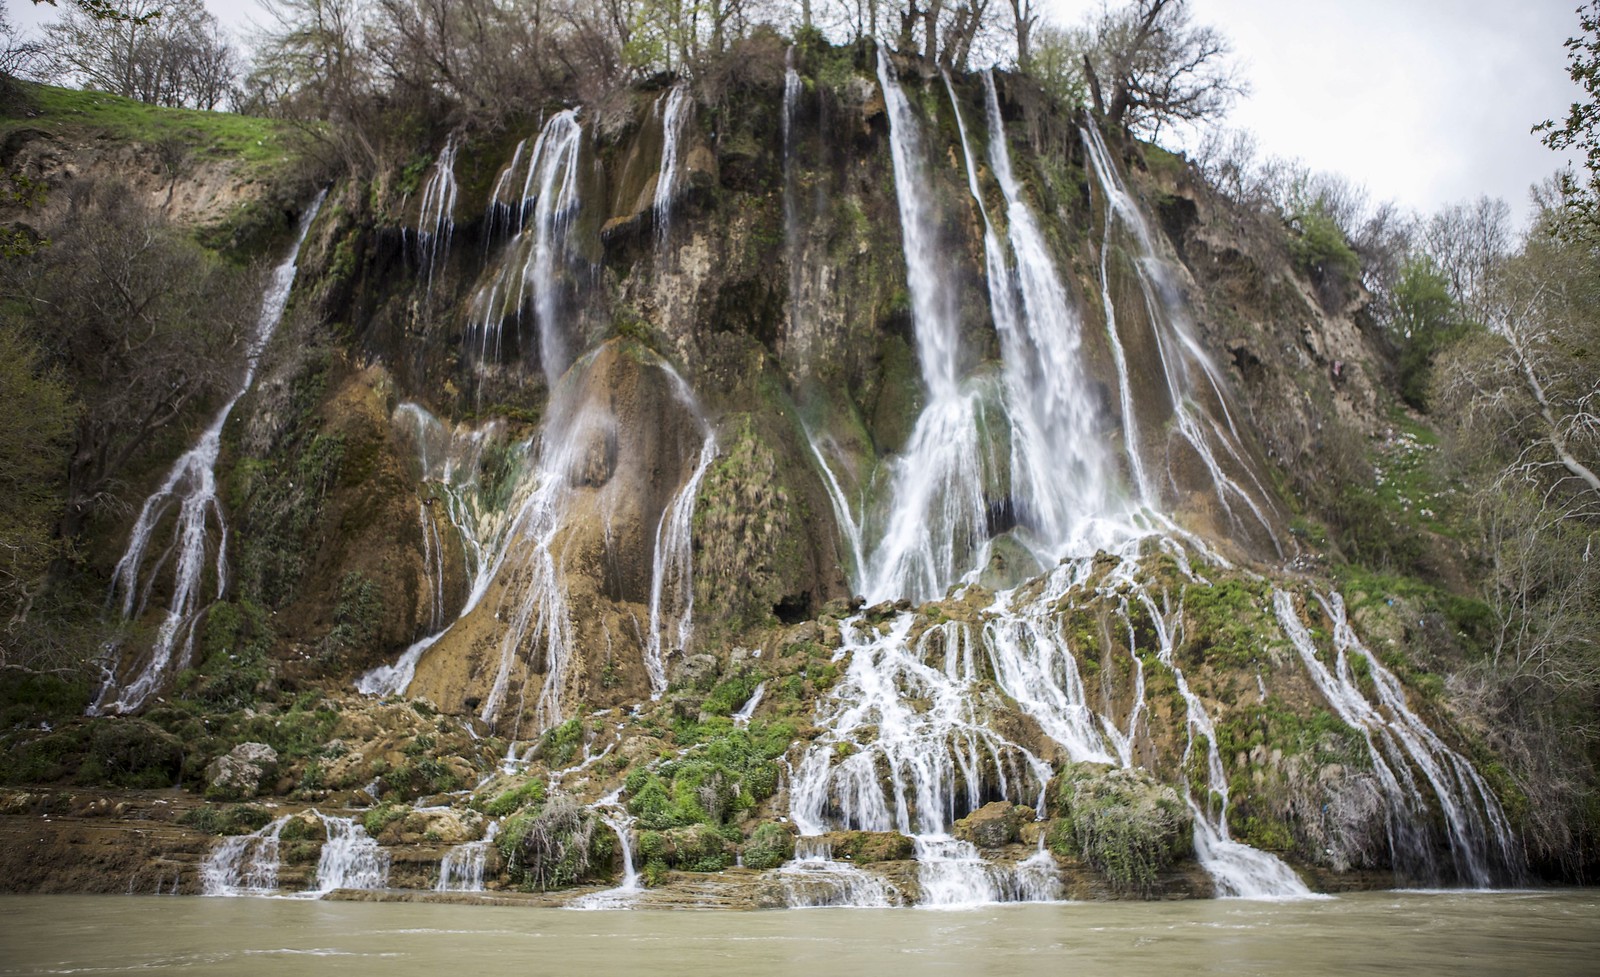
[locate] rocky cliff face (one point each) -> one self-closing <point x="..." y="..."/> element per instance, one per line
<point x="589" y="436"/>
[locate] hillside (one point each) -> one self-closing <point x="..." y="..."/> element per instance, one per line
<point x="864" y="485"/>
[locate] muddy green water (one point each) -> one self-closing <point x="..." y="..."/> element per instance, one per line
<point x="1369" y="933"/>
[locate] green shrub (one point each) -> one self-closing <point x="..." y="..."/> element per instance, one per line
<point x="1122" y="823"/>
<point x="513" y="800"/>
<point x="237" y="819"/>
<point x="380" y="817"/>
<point x="770" y="845"/>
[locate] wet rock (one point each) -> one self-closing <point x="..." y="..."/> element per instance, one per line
<point x="240" y="771"/>
<point x="990" y="826"/>
<point x="696" y="672"/>
<point x="865" y="847"/>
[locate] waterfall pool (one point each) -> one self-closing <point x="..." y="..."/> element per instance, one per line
<point x="1546" y="932"/>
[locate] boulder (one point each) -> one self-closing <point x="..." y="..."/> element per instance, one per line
<point x="239" y="772"/>
<point x="990" y="826"/>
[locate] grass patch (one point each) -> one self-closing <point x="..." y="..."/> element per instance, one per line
<point x="261" y="144"/>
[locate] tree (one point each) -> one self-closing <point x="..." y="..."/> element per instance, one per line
<point x="143" y="323"/>
<point x="33" y="456"/>
<point x="1150" y="66"/>
<point x="165" y="52"/>
<point x="1422" y="317"/>
<point x="1581" y="194"/>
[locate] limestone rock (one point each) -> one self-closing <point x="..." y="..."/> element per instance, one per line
<point x="990" y="826"/>
<point x="239" y="772"/>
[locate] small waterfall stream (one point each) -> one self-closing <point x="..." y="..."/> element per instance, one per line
<point x="1481" y="847"/>
<point x="249" y="864"/>
<point x="674" y="127"/>
<point x="191" y="483"/>
<point x="463" y="866"/>
<point x="672" y="568"/>
<point x="436" y="217"/>
<point x="528" y="277"/>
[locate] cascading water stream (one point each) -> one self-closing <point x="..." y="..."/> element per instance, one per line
<point x="1063" y="490"/>
<point x="1238" y="870"/>
<point x="450" y="460"/>
<point x="436" y="219"/>
<point x="462" y="868"/>
<point x="674" y="126"/>
<point x="1481" y="847"/>
<point x="1178" y="354"/>
<point x="530" y="276"/>
<point x="191" y="483"/>
<point x="248" y="864"/>
<point x="937" y="514"/>
<point x="917" y="753"/>
<point x="672" y="569"/>
<point x="616" y="817"/>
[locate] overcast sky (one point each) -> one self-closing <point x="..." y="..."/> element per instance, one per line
<point x="1425" y="102"/>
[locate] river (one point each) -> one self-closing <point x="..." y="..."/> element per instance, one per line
<point x="1545" y="933"/>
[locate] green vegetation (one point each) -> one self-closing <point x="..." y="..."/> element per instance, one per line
<point x="560" y="743"/>
<point x="556" y="847"/>
<point x="1320" y="250"/>
<point x="1228" y="626"/>
<point x="235" y="641"/>
<point x="529" y="794"/>
<point x="380" y="817"/>
<point x="1121" y="822"/>
<point x="728" y="773"/>
<point x="261" y="143"/>
<point x="234" y="819"/>
<point x="769" y="846"/>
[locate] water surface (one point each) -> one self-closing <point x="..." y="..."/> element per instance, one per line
<point x="1368" y="933"/>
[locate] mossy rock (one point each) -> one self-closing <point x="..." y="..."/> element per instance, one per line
<point x="1122" y="822"/>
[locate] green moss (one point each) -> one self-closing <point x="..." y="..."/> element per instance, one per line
<point x="728" y="773"/>
<point x="530" y="794"/>
<point x="560" y="743"/>
<point x="235" y="819"/>
<point x="769" y="846"/>
<point x="380" y="817"/>
<point x="1227" y="625"/>
<point x="236" y="639"/>
<point x="1121" y="822"/>
<point x="357" y="615"/>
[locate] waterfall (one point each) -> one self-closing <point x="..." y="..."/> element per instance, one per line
<point x="191" y="484"/>
<point x="1063" y="485"/>
<point x="672" y="568"/>
<point x="748" y="710"/>
<point x="248" y="864"/>
<point x="463" y="866"/>
<point x="1482" y="849"/>
<point x="436" y="218"/>
<point x="813" y="880"/>
<point x="244" y="864"/>
<point x="674" y="127"/>
<point x="531" y="277"/>
<point x="1237" y="869"/>
<point x="350" y="858"/>
<point x="1179" y="357"/>
<point x="534" y="606"/>
<point x="938" y="515"/>
<point x="622" y="896"/>
<point x="450" y="462"/>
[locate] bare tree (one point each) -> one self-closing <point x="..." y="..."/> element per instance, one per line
<point x="141" y="320"/>
<point x="165" y="52"/>
<point x="1154" y="66"/>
